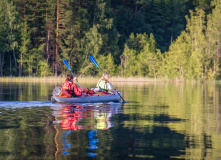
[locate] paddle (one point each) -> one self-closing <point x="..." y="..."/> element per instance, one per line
<point x="95" y="63"/>
<point x="66" y="63"/>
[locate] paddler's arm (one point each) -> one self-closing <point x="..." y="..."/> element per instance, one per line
<point x="77" y="91"/>
<point x="109" y="88"/>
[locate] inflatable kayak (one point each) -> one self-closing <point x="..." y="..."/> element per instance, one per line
<point x="89" y="98"/>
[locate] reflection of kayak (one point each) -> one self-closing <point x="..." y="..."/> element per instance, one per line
<point x="90" y="98"/>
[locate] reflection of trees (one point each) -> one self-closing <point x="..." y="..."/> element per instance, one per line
<point x="197" y="104"/>
<point x="25" y="133"/>
<point x="25" y="91"/>
<point x="29" y="134"/>
<point x="153" y="140"/>
<point x="168" y="121"/>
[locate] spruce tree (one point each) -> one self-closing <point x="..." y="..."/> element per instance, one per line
<point x="213" y="35"/>
<point x="104" y="20"/>
<point x="177" y="58"/>
<point x="12" y="21"/>
<point x="24" y="47"/>
<point x="158" y="16"/>
<point x="195" y="29"/>
<point x="50" y="33"/>
<point x="3" y="33"/>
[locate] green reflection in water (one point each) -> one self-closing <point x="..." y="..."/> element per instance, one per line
<point x="25" y="133"/>
<point x="162" y="121"/>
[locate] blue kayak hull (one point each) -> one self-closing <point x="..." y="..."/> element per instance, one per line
<point x="88" y="99"/>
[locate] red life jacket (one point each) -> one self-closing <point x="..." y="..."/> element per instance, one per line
<point x="71" y="88"/>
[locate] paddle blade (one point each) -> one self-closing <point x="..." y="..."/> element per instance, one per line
<point x="93" y="60"/>
<point x="66" y="63"/>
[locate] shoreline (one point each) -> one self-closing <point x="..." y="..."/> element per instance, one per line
<point x="95" y="79"/>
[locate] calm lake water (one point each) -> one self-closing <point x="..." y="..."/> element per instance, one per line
<point x="160" y="121"/>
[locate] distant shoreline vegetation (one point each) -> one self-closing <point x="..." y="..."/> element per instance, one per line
<point x="88" y="79"/>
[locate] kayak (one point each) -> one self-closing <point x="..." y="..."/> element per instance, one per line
<point x="89" y="98"/>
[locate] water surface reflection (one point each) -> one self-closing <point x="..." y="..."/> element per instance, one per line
<point x="162" y="121"/>
<point x="88" y="117"/>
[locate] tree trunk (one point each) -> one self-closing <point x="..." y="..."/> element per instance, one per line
<point x="56" y="53"/>
<point x="10" y="24"/>
<point x="79" y="13"/>
<point x="10" y="66"/>
<point x="121" y="59"/>
<point x="132" y="6"/>
<point x="1" y="64"/>
<point x="20" y="69"/>
<point x="47" y="45"/>
<point x="30" y="67"/>
<point x="15" y="61"/>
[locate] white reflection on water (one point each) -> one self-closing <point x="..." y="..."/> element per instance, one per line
<point x="21" y="104"/>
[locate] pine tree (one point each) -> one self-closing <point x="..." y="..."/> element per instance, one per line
<point x="49" y="30"/>
<point x="129" y="62"/>
<point x="12" y="22"/>
<point x="107" y="65"/>
<point x="32" y="15"/>
<point x="25" y="46"/>
<point x="62" y="11"/>
<point x="140" y="56"/>
<point x="104" y="20"/>
<point x="186" y="55"/>
<point x="3" y="33"/>
<point x="148" y="59"/>
<point x="177" y="20"/>
<point x="213" y="35"/>
<point x="177" y="58"/>
<point x="159" y="17"/>
<point x="195" y="29"/>
<point x="202" y="4"/>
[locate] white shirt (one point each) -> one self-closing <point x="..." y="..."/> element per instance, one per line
<point x="109" y="86"/>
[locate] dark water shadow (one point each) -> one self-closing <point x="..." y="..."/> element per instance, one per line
<point x="152" y="140"/>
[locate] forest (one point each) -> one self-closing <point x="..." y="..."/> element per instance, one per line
<point x="176" y="39"/>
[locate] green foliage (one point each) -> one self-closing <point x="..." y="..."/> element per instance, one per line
<point x="106" y="63"/>
<point x="177" y="58"/>
<point x="140" y="56"/>
<point x="43" y="69"/>
<point x="25" y="44"/>
<point x="136" y="38"/>
<point x="129" y="60"/>
<point x="148" y="59"/>
<point x="94" y="41"/>
<point x="195" y="29"/>
<point x="213" y="47"/>
<point x="4" y="47"/>
<point x="12" y="21"/>
<point x="188" y="55"/>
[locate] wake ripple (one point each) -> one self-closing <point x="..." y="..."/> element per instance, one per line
<point x="21" y="104"/>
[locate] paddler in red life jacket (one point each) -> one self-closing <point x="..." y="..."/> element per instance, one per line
<point x="104" y="84"/>
<point x="71" y="87"/>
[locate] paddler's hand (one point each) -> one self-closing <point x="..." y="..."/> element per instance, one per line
<point x="114" y="91"/>
<point x="75" y="79"/>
